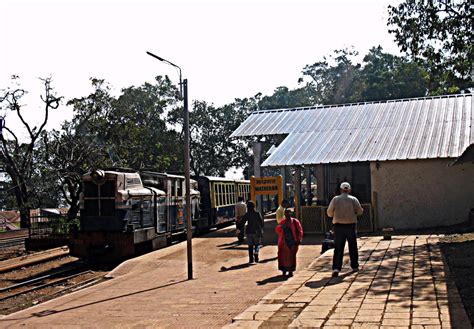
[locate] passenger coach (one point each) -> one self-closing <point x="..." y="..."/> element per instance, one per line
<point x="218" y="199"/>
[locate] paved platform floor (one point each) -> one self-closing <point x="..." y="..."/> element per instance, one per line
<point x="402" y="283"/>
<point x="152" y="291"/>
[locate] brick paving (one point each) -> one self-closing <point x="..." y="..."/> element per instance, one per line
<point x="402" y="283"/>
<point x="152" y="291"/>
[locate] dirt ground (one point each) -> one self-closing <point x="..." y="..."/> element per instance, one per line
<point x="7" y="279"/>
<point x="458" y="250"/>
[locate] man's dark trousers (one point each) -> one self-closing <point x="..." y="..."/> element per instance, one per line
<point x="342" y="233"/>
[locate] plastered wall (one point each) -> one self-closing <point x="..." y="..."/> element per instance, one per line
<point x="421" y="193"/>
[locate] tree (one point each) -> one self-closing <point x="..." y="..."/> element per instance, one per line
<point x="131" y="129"/>
<point x="18" y="156"/>
<point x="212" y="151"/>
<point x="128" y="131"/>
<point x="67" y="155"/>
<point x="437" y="34"/>
<point x="285" y="98"/>
<point x="141" y="137"/>
<point x="333" y="78"/>
<point x="380" y="76"/>
<point x="384" y="76"/>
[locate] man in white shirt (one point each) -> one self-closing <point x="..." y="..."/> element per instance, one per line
<point x="344" y="210"/>
<point x="240" y="210"/>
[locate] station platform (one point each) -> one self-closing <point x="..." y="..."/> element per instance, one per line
<point x="401" y="283"/>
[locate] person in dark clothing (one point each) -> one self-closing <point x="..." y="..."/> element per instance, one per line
<point x="302" y="198"/>
<point x="253" y="231"/>
<point x="310" y="198"/>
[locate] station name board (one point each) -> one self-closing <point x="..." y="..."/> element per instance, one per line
<point x="266" y="186"/>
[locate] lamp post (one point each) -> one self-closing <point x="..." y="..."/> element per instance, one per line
<point x="183" y="86"/>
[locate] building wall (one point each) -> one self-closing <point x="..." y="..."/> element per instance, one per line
<point x="421" y="193"/>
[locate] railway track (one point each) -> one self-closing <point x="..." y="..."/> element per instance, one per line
<point x="47" y="282"/>
<point x="13" y="238"/>
<point x="35" y="278"/>
<point x="40" y="289"/>
<point x="31" y="259"/>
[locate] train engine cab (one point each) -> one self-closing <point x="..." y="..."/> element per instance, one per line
<point x="119" y="217"/>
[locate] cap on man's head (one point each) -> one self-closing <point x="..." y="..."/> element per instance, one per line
<point x="345" y="186"/>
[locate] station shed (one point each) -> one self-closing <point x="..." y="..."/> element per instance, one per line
<point x="409" y="161"/>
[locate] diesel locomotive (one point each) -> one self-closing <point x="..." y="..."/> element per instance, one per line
<point x="125" y="212"/>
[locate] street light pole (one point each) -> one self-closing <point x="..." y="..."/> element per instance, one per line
<point x="187" y="170"/>
<point x="183" y="86"/>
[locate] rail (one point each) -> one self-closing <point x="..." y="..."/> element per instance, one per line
<point x="45" y="285"/>
<point x="18" y="262"/>
<point x="13" y="238"/>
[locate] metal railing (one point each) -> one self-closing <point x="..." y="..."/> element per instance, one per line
<point x="42" y="226"/>
<point x="315" y="220"/>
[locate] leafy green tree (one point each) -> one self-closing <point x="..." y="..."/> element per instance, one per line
<point x="7" y="200"/>
<point x="380" y="76"/>
<point x="285" y="98"/>
<point x="66" y="156"/>
<point x="144" y="140"/>
<point x="212" y="151"/>
<point x="127" y="131"/>
<point x="334" y="78"/>
<point x="131" y="129"/>
<point x="385" y="76"/>
<point x="437" y="34"/>
<point x="18" y="156"/>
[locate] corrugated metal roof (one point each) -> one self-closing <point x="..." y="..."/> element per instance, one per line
<point x="416" y="128"/>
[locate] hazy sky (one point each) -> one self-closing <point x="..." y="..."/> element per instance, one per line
<point x="226" y="49"/>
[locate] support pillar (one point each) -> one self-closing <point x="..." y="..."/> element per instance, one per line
<point x="257" y="160"/>
<point x="320" y="181"/>
<point x="308" y="182"/>
<point x="283" y="175"/>
<point x="297" y="180"/>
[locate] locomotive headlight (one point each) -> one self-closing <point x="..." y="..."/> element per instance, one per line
<point x="122" y="202"/>
<point x="98" y="177"/>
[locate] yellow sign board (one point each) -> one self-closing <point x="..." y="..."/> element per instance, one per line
<point x="266" y="186"/>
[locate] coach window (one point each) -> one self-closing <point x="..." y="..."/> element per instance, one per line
<point x="226" y="194"/>
<point x="214" y="189"/>
<point x="222" y="195"/>
<point x="232" y="194"/>
<point x="179" y="185"/>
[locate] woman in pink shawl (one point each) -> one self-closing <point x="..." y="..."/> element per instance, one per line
<point x="290" y="235"/>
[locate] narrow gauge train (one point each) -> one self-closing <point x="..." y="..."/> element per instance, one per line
<point x="218" y="198"/>
<point x="124" y="212"/>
